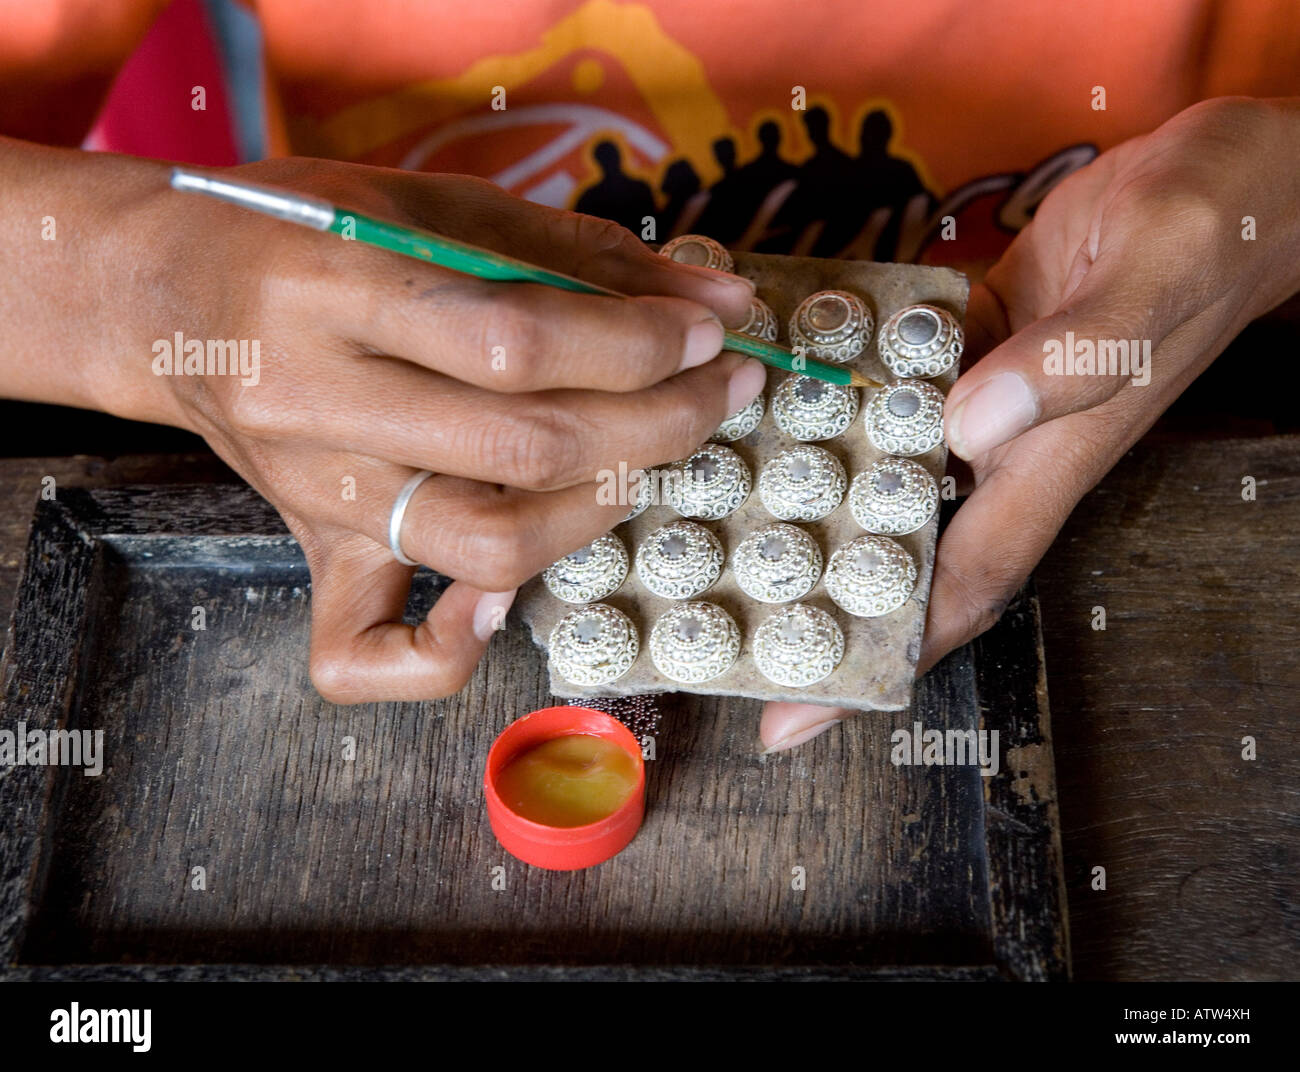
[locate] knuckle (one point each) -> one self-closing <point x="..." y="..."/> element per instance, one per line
<point x="259" y="413"/>
<point x="335" y="678"/>
<point x="539" y="451"/>
<point x="496" y="552"/>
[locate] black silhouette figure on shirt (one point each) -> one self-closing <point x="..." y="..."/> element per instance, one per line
<point x="879" y="180"/>
<point x="681" y="183"/>
<point x="824" y="188"/>
<point x="617" y="196"/>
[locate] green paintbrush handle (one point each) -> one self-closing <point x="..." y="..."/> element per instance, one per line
<point x="485" y="264"/>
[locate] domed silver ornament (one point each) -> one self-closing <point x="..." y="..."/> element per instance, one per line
<point x="906" y="417"/>
<point x="871" y="576"/>
<point x="762" y="321"/>
<point x="710" y="484"/>
<point x="921" y="340"/>
<point x="831" y="325"/>
<point x="694" y="643"/>
<point x="804" y="483"/>
<point x="590" y="573"/>
<point x="808" y="409"/>
<point x="679" y="560"/>
<point x="741" y="423"/>
<point x="777" y="563"/>
<point x="594" y="645"/>
<point x="798" y="646"/>
<point x="893" y="497"/>
<point x="700" y="251"/>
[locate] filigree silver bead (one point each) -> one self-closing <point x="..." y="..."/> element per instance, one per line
<point x="694" y="643"/>
<point x="808" y="409"/>
<point x="590" y="573"/>
<point x="804" y="483"/>
<point x="831" y="325"/>
<point x="895" y="496"/>
<point x="921" y="340"/>
<point x="871" y="576"/>
<point x="594" y="645"/>
<point x="700" y="251"/>
<point x="906" y="417"/>
<point x="762" y="321"/>
<point x="798" y="646"/>
<point x="679" y="560"/>
<point x="777" y="563"/>
<point x="710" y="484"/>
<point x="741" y="423"/>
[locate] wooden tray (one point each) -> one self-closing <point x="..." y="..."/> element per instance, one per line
<point x="220" y="755"/>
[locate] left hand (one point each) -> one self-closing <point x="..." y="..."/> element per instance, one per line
<point x="1148" y="242"/>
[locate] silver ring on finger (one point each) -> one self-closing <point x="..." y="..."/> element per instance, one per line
<point x="399" y="513"/>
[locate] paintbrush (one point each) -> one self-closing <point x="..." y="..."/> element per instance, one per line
<point x="469" y="260"/>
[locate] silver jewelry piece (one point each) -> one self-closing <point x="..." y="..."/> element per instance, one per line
<point x="740" y="423"/>
<point x="921" y="340"/>
<point x="644" y="479"/>
<point x="590" y="573"/>
<point x="895" y="496"/>
<point x="798" y="645"/>
<point x="694" y="642"/>
<point x="399" y="512"/>
<point x="700" y="251"/>
<point x="762" y="321"/>
<point x="906" y="417"/>
<point x="710" y="484"/>
<point x="594" y="645"/>
<point x="808" y="409"/>
<point x="777" y="563"/>
<point x="871" y="576"/>
<point x="804" y="483"/>
<point x="832" y="325"/>
<point x="679" y="560"/>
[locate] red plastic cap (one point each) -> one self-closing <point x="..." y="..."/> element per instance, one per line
<point x="568" y="848"/>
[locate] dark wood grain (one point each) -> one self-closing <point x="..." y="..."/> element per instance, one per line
<point x="1201" y="648"/>
<point x="221" y="755"/>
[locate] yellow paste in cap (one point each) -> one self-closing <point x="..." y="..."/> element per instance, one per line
<point x="568" y="781"/>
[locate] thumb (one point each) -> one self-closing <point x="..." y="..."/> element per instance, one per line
<point x="1078" y="357"/>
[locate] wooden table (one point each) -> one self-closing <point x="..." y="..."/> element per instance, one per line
<point x="1200" y="846"/>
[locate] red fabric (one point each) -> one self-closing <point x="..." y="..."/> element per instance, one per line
<point x="149" y="110"/>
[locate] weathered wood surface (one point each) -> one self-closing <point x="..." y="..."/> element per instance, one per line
<point x="1201" y="648"/>
<point x="221" y="756"/>
<point x="1199" y="846"/>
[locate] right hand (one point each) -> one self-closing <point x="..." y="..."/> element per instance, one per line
<point x="374" y="366"/>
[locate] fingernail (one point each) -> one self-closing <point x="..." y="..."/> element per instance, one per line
<point x="745" y="385"/>
<point x="490" y="612"/>
<point x="992" y="414"/>
<point x="703" y="341"/>
<point x="801" y="736"/>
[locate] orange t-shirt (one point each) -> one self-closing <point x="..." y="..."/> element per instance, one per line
<point x="837" y="127"/>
